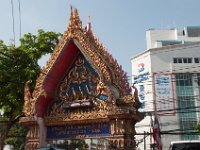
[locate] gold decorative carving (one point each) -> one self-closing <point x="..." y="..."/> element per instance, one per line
<point x="74" y="21"/>
<point x="99" y="96"/>
<point x="127" y="99"/>
<point x="79" y="78"/>
<point x="110" y="72"/>
<point x="78" y="115"/>
<point x="28" y="119"/>
<point x="28" y="100"/>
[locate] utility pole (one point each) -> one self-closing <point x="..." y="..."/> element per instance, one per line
<point x="144" y="140"/>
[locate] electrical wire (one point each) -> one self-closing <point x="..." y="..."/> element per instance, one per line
<point x="19" y="9"/>
<point x="173" y="79"/>
<point x="171" y="71"/>
<point x="152" y="101"/>
<point x="13" y="18"/>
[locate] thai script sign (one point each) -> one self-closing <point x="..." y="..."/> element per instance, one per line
<point x="139" y="82"/>
<point x="164" y="94"/>
<point x="77" y="131"/>
<point x="141" y="77"/>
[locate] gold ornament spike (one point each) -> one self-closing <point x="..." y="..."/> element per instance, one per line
<point x="76" y="13"/>
<point x="71" y="11"/>
<point x="77" y="21"/>
<point x="70" y="24"/>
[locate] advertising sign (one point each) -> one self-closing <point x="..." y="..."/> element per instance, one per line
<point x="140" y="81"/>
<point x="164" y="94"/>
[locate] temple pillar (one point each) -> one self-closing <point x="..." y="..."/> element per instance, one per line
<point x="122" y="131"/>
<point x="42" y="132"/>
<point x="32" y="137"/>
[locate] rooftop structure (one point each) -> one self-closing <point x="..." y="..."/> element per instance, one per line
<point x="164" y="37"/>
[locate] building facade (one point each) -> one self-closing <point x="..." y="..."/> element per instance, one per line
<point x="168" y="83"/>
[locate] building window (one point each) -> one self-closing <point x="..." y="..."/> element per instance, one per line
<point x="189" y="60"/>
<point x="182" y="60"/>
<point x="169" y="42"/>
<point x="179" y="60"/>
<point x="186" y="104"/>
<point x="196" y="60"/>
<point x="175" y="60"/>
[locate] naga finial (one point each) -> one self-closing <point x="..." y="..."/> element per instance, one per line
<point x="28" y="100"/>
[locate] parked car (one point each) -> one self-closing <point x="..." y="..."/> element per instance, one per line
<point x="185" y="145"/>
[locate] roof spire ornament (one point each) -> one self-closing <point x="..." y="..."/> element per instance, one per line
<point x="89" y="29"/>
<point x="70" y="24"/>
<point x="74" y="20"/>
<point x="77" y="21"/>
<point x="71" y="12"/>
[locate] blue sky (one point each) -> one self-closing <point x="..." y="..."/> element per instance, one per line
<point x="119" y="24"/>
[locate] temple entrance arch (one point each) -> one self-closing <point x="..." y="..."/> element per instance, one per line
<point x="82" y="93"/>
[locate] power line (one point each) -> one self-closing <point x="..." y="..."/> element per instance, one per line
<point x="153" y="102"/>
<point x="173" y="79"/>
<point x="175" y="110"/>
<point x="164" y="72"/>
<point x="173" y="70"/>
<point x="171" y="100"/>
<point x="19" y="9"/>
<point x="172" y="133"/>
<point x="167" y="111"/>
<point x="13" y="18"/>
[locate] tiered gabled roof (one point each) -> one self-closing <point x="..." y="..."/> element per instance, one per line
<point x="78" y="39"/>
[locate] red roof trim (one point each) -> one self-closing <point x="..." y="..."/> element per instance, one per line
<point x="56" y="75"/>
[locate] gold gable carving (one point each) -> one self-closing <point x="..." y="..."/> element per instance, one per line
<point x="103" y="62"/>
<point x="92" y="101"/>
<point x="68" y="93"/>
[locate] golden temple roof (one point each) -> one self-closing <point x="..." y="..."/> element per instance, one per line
<point x="109" y="70"/>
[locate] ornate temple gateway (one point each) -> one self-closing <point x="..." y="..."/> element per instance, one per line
<point x="82" y="93"/>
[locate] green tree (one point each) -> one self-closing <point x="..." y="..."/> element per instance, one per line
<point x="18" y="65"/>
<point x="198" y="128"/>
<point x="17" y="136"/>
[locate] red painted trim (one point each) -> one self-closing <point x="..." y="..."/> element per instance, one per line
<point x="55" y="76"/>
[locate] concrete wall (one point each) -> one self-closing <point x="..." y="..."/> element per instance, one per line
<point x="153" y="35"/>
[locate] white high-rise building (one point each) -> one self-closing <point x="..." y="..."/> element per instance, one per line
<point x="168" y="81"/>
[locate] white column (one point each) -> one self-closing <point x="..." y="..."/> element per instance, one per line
<point x="42" y="132"/>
